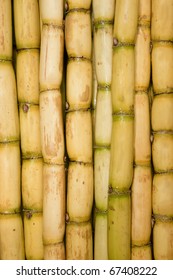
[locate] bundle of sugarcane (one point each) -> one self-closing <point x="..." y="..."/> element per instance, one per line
<point x="142" y="180"/>
<point x="162" y="126"/>
<point x="11" y="226"/>
<point x="103" y="15"/>
<point x="52" y="127"/>
<point x="122" y="142"/>
<point x="79" y="130"/>
<point x="27" y="38"/>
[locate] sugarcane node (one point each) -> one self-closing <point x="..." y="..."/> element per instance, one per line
<point x="66" y="6"/>
<point x="115" y="42"/>
<point x="110" y="189"/>
<point x="67" y="218"/>
<point x="25" y="108"/>
<point x="151" y="138"/>
<point x="67" y="106"/>
<point x="29" y="215"/>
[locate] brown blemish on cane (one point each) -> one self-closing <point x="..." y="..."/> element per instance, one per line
<point x="2" y="41"/>
<point x="69" y="131"/>
<point x="85" y="95"/>
<point x="110" y="190"/>
<point x="28" y="215"/>
<point x="53" y="139"/>
<point x="144" y="178"/>
<point x="25" y="108"/>
<point x="115" y="42"/>
<point x="67" y="105"/>
<point x="67" y="218"/>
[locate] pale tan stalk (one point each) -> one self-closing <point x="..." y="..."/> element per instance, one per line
<point x="79" y="137"/>
<point x="11" y="226"/>
<point x="52" y="127"/>
<point x="27" y="38"/>
<point x="162" y="126"/>
<point x="142" y="179"/>
<point x="103" y="37"/>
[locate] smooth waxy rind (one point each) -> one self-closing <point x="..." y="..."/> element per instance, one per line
<point x="119" y="227"/>
<point x="122" y="152"/>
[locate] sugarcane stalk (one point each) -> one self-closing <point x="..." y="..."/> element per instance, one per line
<point x="103" y="17"/>
<point x="79" y="130"/>
<point x="52" y="127"/>
<point x="162" y="127"/>
<point x="27" y="38"/>
<point x="142" y="180"/>
<point x="11" y="226"/>
<point x="122" y="141"/>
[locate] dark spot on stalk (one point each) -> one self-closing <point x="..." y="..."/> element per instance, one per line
<point x="25" y="108"/>
<point x="29" y="215"/>
<point x="115" y="42"/>
<point x="14" y="229"/>
<point x="110" y="190"/>
<point x="67" y="106"/>
<point x="67" y="218"/>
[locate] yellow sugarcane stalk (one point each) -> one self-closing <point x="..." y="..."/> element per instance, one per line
<point x="121" y="163"/>
<point x="162" y="126"/>
<point x="27" y="39"/>
<point x="52" y="127"/>
<point x="142" y="180"/>
<point x="79" y="130"/>
<point x="11" y="226"/>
